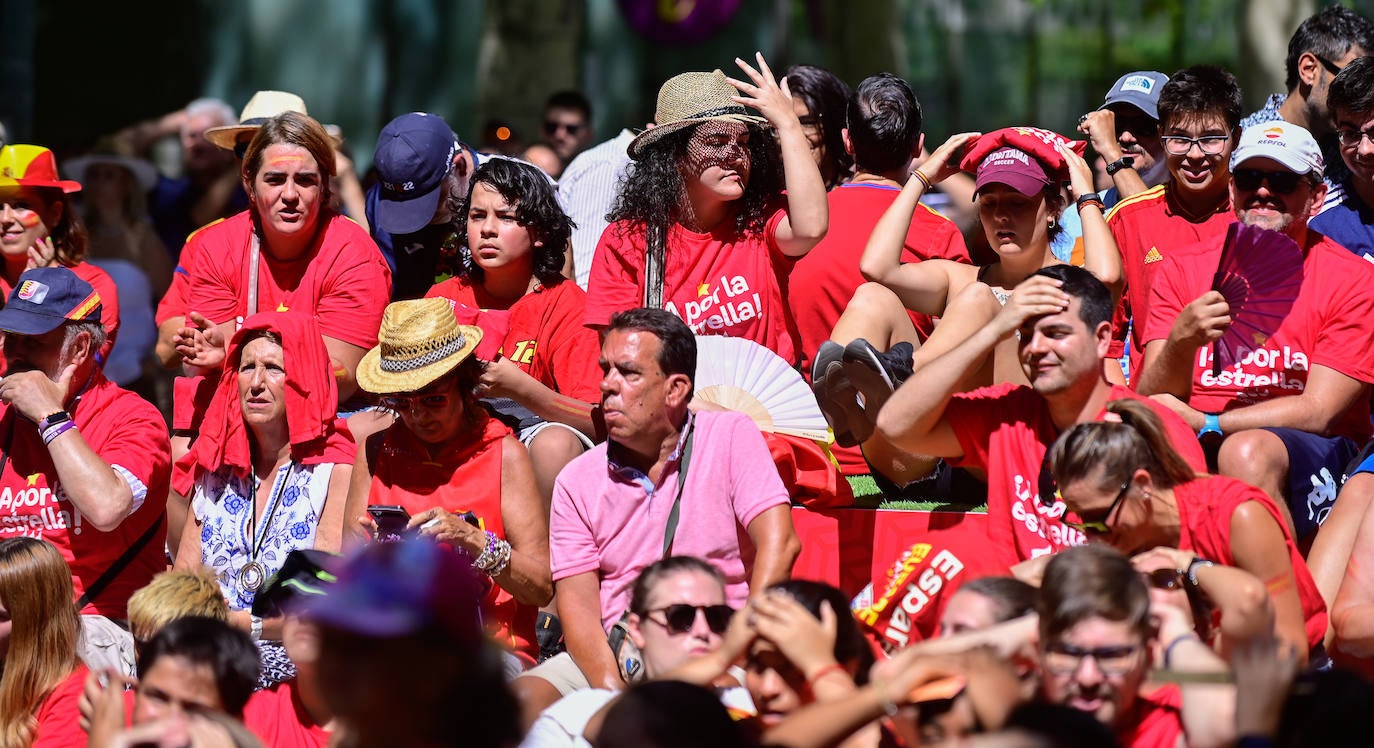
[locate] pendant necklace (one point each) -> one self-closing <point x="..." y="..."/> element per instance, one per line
<point x="252" y="575"/>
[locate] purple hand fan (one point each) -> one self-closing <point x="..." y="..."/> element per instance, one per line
<point x="1259" y="275"/>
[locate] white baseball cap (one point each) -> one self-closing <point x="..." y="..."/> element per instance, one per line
<point x="1287" y="143"/>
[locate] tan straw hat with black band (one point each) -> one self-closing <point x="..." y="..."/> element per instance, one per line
<point x="420" y="341"/>
<point x="690" y="98"/>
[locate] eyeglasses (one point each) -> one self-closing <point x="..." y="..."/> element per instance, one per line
<point x="407" y="403"/>
<point x="1352" y="138"/>
<point x="1329" y="65"/>
<point x="1101" y="526"/>
<point x="1165" y="579"/>
<point x="552" y="127"/>
<point x="679" y="619"/>
<point x="1211" y="145"/>
<point x="1281" y="182"/>
<point x="1066" y="659"/>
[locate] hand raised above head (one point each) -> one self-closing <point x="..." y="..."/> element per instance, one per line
<point x="763" y="93"/>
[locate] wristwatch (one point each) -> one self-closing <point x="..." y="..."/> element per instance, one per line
<point x="1198" y="562"/>
<point x="1211" y="424"/>
<point x="1120" y="164"/>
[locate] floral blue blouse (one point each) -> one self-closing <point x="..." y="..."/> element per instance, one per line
<point x="223" y="501"/>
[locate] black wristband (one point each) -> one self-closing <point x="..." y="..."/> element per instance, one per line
<point x="60" y="416"/>
<point x="1120" y="164"/>
<point x="1091" y="198"/>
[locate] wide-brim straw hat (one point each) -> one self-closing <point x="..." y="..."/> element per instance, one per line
<point x="263" y="106"/>
<point x="419" y="342"/>
<point x="687" y="99"/>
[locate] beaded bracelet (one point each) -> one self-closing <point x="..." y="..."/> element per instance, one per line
<point x="503" y="551"/>
<point x="55" y="431"/>
<point x="488" y="554"/>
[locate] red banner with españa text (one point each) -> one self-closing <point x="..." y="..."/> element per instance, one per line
<point x="898" y="567"/>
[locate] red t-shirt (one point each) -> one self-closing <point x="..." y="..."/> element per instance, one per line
<point x="1329" y="324"/>
<point x="719" y="283"/>
<point x="1147" y="228"/>
<point x="1157" y="720"/>
<point x="123" y="429"/>
<point x="276" y="716"/>
<point x="1005" y="431"/>
<point x="1205" y="507"/>
<point x="343" y="280"/>
<point x="59" y="716"/>
<point x="466" y="477"/>
<point x="178" y="295"/>
<point x="546" y="339"/>
<point x="823" y="280"/>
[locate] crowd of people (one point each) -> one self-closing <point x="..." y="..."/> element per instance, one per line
<point x="293" y="456"/>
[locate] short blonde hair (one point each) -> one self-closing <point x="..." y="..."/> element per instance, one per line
<point x="173" y="595"/>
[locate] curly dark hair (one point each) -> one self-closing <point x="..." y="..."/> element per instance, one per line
<point x="536" y="208"/>
<point x="653" y="191"/>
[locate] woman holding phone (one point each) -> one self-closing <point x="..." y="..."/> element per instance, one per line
<point x="270" y="471"/>
<point x="445" y="457"/>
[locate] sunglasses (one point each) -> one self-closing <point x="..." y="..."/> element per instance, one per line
<point x="1281" y="182"/>
<point x="679" y="619"/>
<point x="1101" y="526"/>
<point x="407" y="403"/>
<point x="551" y="127"/>
<point x="1165" y="579"/>
<point x="1329" y="65"/>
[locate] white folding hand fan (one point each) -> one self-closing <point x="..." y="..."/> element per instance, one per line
<point x="741" y="375"/>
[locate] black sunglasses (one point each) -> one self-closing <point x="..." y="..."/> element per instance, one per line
<point x="551" y="127"/>
<point x="1100" y="526"/>
<point x="1281" y="182"/>
<point x="1165" y="579"/>
<point x="1329" y="65"/>
<point x="678" y="619"/>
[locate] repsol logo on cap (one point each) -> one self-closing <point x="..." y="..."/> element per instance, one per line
<point x="32" y="290"/>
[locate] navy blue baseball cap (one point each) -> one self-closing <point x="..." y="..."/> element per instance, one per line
<point x="45" y="298"/>
<point x="415" y="153"/>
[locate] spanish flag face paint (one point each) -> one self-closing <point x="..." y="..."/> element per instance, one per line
<point x="21" y="225"/>
<point x="288" y="192"/>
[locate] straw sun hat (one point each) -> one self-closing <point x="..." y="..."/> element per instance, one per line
<point x="690" y="98"/>
<point x="263" y="106"/>
<point x="419" y="342"/>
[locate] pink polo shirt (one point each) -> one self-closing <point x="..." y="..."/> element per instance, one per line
<point x="606" y="520"/>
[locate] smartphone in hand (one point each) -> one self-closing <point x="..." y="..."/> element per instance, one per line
<point x="391" y="522"/>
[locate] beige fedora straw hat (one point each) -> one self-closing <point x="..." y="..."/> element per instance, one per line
<point x="419" y="342"/>
<point x="263" y="106"/>
<point x="690" y="98"/>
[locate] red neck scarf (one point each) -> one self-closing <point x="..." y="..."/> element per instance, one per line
<point x="311" y="402"/>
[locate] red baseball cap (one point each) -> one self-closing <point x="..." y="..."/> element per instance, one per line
<point x="1016" y="169"/>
